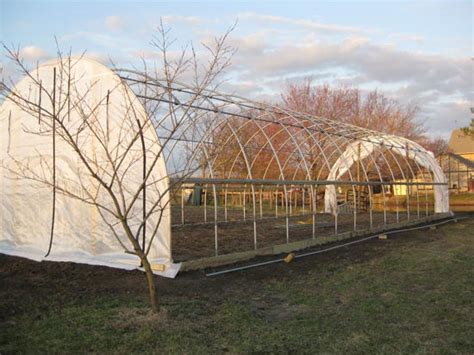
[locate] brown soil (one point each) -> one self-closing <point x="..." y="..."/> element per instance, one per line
<point x="23" y="282"/>
<point x="196" y="239"/>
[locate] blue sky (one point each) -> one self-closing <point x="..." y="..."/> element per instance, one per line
<point x="418" y="52"/>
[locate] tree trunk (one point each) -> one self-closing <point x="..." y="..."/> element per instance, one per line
<point x="151" y="284"/>
<point x="146" y="265"/>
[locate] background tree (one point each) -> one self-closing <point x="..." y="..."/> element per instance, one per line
<point x="371" y="110"/>
<point x="436" y="145"/>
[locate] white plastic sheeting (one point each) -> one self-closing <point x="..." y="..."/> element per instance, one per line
<point x="81" y="233"/>
<point x="368" y="146"/>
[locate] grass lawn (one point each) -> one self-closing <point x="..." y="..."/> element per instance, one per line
<point x="413" y="293"/>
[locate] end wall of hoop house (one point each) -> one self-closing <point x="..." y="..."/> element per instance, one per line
<point x="81" y="232"/>
<point x="372" y="144"/>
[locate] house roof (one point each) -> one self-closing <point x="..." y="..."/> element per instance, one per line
<point x="460" y="142"/>
<point x="468" y="163"/>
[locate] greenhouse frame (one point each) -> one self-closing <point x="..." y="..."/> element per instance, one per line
<point x="241" y="177"/>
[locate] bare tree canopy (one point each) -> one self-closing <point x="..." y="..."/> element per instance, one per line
<point x="371" y="110"/>
<point x="84" y="142"/>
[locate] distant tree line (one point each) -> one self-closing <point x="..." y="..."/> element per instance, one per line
<point x="373" y="110"/>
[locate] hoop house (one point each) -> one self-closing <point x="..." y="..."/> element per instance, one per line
<point x="238" y="175"/>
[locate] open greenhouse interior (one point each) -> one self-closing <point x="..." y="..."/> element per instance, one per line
<point x="248" y="175"/>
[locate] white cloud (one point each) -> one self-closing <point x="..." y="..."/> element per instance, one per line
<point x="440" y="84"/>
<point x="307" y="24"/>
<point x="407" y="37"/>
<point x="33" y="53"/>
<point x="281" y="48"/>
<point x="442" y="118"/>
<point x="150" y="54"/>
<point x="114" y="23"/>
<point x="247" y="88"/>
<point x="189" y="20"/>
<point x="375" y="63"/>
<point x="253" y="44"/>
<point x="101" y="39"/>
<point x="145" y="54"/>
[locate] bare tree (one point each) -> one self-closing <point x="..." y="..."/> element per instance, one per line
<point x="127" y="208"/>
<point x="437" y="145"/>
<point x="372" y="110"/>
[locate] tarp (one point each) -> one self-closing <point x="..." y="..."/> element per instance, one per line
<point x="82" y="234"/>
<point x="399" y="145"/>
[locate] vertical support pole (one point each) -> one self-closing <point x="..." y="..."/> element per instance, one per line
<point x="276" y="202"/>
<point x="225" y="202"/>
<point x="291" y="205"/>
<point x="9" y="130"/>
<point x="53" y="212"/>
<point x="449" y="173"/>
<point x="302" y="199"/>
<point x="215" y="219"/>
<point x="397" y="212"/>
<point x="316" y="198"/>
<point x="286" y="215"/>
<point x="271" y="199"/>
<point x="426" y="200"/>
<point x="39" y="101"/>
<point x="467" y="178"/>
<point x="407" y="187"/>
<point x="205" y="204"/>
<point x="261" y="203"/>
<point x="418" y="201"/>
<point x="358" y="187"/>
<point x="182" y="204"/>
<point x="371" y="194"/>
<point x="296" y="201"/>
<point x="313" y="207"/>
<point x="284" y="197"/>
<point x="459" y="177"/>
<point x="244" y="198"/>
<point x="254" y="212"/>
<point x="142" y="139"/>
<point x="68" y="96"/>
<point x="107" y="128"/>
<point x="355" y="207"/>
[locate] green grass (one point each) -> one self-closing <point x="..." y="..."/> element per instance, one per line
<point x="410" y="294"/>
